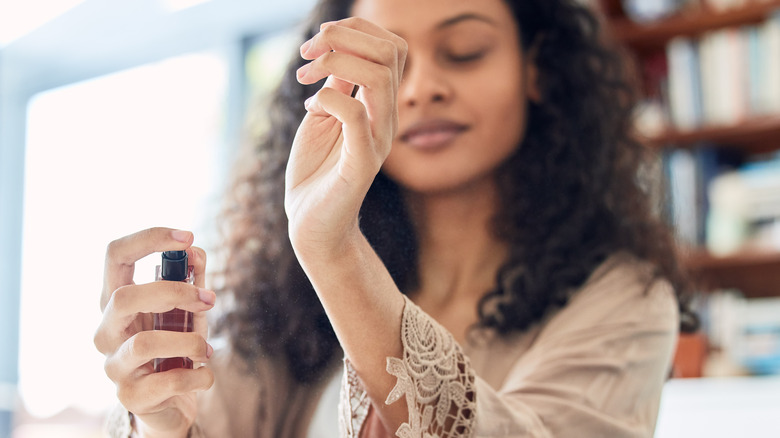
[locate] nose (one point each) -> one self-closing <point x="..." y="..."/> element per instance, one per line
<point x="424" y="83"/>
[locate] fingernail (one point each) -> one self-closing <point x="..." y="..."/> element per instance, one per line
<point x="207" y="296"/>
<point x="305" y="47"/>
<point x="181" y="236"/>
<point x="307" y="103"/>
<point x="303" y="70"/>
<point x="209" y="350"/>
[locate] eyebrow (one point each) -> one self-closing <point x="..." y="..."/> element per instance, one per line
<point x="463" y="17"/>
<point x="458" y="19"/>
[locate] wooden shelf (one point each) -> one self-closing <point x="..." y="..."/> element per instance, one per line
<point x="755" y="273"/>
<point x="652" y="36"/>
<point x="757" y="135"/>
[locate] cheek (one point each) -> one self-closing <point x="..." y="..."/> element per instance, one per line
<point x="503" y="114"/>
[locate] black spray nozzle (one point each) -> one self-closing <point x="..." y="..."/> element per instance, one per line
<point x="174" y="265"/>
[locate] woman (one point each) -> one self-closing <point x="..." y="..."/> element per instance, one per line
<point x="462" y="220"/>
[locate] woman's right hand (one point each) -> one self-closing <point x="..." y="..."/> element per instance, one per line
<point x="163" y="404"/>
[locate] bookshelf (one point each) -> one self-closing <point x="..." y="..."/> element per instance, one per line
<point x="753" y="136"/>
<point x="755" y="272"/>
<point x="692" y="22"/>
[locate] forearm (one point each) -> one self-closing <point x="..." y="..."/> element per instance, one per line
<point x="337" y="152"/>
<point x="365" y="308"/>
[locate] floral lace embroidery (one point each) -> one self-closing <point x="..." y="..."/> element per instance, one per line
<point x="353" y="403"/>
<point x="434" y="376"/>
<point x="118" y="423"/>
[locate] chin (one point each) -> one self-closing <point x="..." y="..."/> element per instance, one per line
<point x="437" y="183"/>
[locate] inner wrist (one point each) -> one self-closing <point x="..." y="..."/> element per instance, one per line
<point x="330" y="250"/>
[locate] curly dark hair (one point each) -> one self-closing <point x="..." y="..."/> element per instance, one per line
<point x="572" y="195"/>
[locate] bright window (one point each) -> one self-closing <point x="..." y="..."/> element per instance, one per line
<point x="17" y="18"/>
<point x="104" y="158"/>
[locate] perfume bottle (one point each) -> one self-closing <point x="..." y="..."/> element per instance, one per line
<point x="174" y="267"/>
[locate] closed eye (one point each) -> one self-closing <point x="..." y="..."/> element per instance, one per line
<point x="464" y="58"/>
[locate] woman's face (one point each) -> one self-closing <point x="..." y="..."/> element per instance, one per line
<point x="462" y="97"/>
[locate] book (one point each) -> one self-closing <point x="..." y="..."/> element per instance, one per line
<point x="685" y="100"/>
<point x="723" y="77"/>
<point x="769" y="36"/>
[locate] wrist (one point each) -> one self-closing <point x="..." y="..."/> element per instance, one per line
<point x="336" y="248"/>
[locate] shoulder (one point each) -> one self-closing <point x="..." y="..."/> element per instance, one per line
<point x="626" y="281"/>
<point x="623" y="291"/>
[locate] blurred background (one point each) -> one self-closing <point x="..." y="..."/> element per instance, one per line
<point x="107" y="106"/>
<point x="107" y="110"/>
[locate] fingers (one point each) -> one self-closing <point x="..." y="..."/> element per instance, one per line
<point x="149" y="393"/>
<point x="358" y="39"/>
<point x="157" y="297"/>
<point x="145" y="346"/>
<point x="197" y="258"/>
<point x="345" y="35"/>
<point x="348" y="68"/>
<point x="122" y="254"/>
<point x="357" y="133"/>
<point x="363" y="39"/>
<point x="125" y="335"/>
<point x="355" y="51"/>
<point x="376" y="82"/>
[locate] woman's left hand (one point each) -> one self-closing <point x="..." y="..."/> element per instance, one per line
<point x="343" y="140"/>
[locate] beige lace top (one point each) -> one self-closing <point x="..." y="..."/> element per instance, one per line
<point x="594" y="368"/>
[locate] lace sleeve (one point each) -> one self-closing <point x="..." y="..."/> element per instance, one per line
<point x="434" y="376"/>
<point x="353" y="403"/>
<point x="119" y="424"/>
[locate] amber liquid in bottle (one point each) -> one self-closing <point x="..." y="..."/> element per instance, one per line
<point x="174" y="267"/>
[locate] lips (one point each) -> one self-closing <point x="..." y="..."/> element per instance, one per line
<point x="432" y="134"/>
